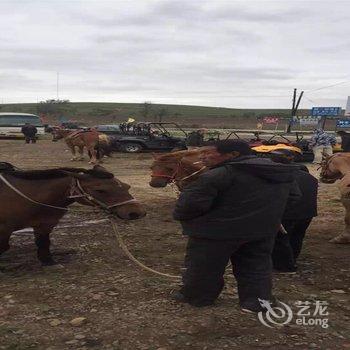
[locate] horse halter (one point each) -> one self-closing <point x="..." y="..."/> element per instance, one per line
<point x="172" y="177"/>
<point x="77" y="191"/>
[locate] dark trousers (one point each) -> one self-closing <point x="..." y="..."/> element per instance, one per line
<point x="30" y="139"/>
<point x="207" y="259"/>
<point x="288" y="246"/>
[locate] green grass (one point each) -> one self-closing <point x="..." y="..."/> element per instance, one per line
<point x="99" y="113"/>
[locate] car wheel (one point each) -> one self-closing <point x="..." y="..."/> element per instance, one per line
<point x="132" y="147"/>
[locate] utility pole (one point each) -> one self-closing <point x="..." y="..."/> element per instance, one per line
<point x="294" y="109"/>
<point x="58" y="75"/>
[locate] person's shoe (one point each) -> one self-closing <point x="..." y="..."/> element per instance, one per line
<point x="201" y="303"/>
<point x="179" y="297"/>
<point x="254" y="306"/>
<point x="252" y="309"/>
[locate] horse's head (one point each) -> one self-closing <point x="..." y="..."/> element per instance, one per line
<point x="100" y="188"/>
<point x="329" y="171"/>
<point x="57" y="134"/>
<point x="164" y="171"/>
<point x="173" y="166"/>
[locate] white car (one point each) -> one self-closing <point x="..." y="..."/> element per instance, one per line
<point x="12" y="123"/>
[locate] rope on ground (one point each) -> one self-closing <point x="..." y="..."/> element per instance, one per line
<point x="132" y="258"/>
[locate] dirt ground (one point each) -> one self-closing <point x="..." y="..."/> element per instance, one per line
<point x="127" y="308"/>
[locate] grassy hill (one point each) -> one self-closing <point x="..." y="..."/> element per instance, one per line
<point x="102" y="113"/>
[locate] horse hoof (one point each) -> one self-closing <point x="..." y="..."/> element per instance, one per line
<point x="73" y="159"/>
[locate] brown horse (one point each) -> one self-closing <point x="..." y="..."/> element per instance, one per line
<point x="179" y="167"/>
<point x="40" y="198"/>
<point x="80" y="139"/>
<point x="333" y="168"/>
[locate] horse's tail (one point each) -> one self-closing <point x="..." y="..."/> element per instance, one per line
<point x="103" y="146"/>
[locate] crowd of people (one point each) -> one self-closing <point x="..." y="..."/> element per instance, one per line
<point x="248" y="210"/>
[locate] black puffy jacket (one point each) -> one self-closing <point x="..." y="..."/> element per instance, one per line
<point x="29" y="130"/>
<point x="306" y="206"/>
<point x="242" y="198"/>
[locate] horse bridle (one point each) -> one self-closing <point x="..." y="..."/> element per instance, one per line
<point x="75" y="191"/>
<point x="172" y="177"/>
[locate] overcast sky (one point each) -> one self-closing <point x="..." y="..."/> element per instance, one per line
<point x="247" y="54"/>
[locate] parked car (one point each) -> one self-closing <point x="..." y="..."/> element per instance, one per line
<point x="144" y="136"/>
<point x="112" y="129"/>
<point x="11" y="124"/>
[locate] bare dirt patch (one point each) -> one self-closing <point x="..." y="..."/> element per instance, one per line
<point x="126" y="308"/>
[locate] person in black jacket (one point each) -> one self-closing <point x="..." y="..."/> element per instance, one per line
<point x="345" y="140"/>
<point x="232" y="212"/>
<point x="29" y="131"/>
<point x="296" y="217"/>
<point x="195" y="139"/>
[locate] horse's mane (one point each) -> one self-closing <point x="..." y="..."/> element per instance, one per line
<point x="177" y="155"/>
<point x="45" y="174"/>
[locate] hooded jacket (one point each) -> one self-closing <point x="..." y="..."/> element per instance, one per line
<point x="241" y="198"/>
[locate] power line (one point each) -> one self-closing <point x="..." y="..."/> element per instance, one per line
<point x="328" y="86"/>
<point x="309" y="99"/>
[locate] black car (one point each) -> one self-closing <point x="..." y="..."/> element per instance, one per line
<point x="133" y="138"/>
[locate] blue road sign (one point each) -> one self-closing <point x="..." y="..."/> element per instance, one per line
<point x="326" y="111"/>
<point x="343" y="123"/>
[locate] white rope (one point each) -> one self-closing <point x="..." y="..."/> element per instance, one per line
<point x="27" y="198"/>
<point x="132" y="258"/>
<point x="195" y="173"/>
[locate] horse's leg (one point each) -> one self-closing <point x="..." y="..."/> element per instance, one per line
<point x="81" y="152"/>
<point x="99" y="153"/>
<point x="345" y="236"/>
<point x="93" y="159"/>
<point x="42" y="241"/>
<point x="72" y="148"/>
